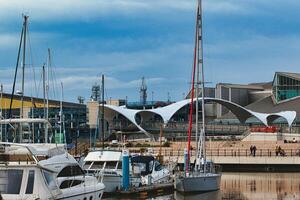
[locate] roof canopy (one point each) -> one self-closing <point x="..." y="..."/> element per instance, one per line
<point x="167" y="112"/>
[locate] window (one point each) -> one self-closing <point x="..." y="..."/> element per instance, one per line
<point x="97" y="165"/>
<point x="119" y="165"/>
<point x="87" y="164"/>
<point x="11" y="181"/>
<point x="157" y="166"/>
<point x="74" y="170"/>
<point x="91" y="198"/>
<point x="69" y="183"/>
<point x="49" y="180"/>
<point x="30" y="182"/>
<point x="111" y="165"/>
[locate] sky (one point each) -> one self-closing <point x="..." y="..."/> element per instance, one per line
<point x="244" y="42"/>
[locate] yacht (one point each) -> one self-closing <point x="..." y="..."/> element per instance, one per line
<point x="152" y="172"/>
<point x="44" y="171"/>
<point x="144" y="170"/>
<point x="108" y="164"/>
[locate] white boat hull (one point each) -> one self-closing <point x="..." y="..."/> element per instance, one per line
<point x="198" y="183"/>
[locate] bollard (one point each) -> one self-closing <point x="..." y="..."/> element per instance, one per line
<point x="125" y="170"/>
<point x="186" y="162"/>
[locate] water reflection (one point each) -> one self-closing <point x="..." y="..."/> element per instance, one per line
<point x="247" y="186"/>
<point x="260" y="186"/>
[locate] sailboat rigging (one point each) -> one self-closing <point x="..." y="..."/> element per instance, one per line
<point x="200" y="179"/>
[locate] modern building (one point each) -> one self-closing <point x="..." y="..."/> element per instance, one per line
<point x="74" y="116"/>
<point x="262" y="103"/>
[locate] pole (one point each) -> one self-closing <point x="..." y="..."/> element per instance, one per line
<point x="47" y="95"/>
<point x="125" y="170"/>
<point x="102" y="113"/>
<point x="44" y="90"/>
<point x="200" y="50"/>
<point x="23" y="76"/>
<point x="60" y="113"/>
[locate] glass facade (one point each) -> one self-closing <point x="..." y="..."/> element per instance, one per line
<point x="285" y="87"/>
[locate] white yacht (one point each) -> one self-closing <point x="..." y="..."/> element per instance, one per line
<point x="44" y="171"/>
<point x="144" y="170"/>
<point x="152" y="172"/>
<point x="108" y="164"/>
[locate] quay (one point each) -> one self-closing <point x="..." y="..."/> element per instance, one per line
<point x="232" y="156"/>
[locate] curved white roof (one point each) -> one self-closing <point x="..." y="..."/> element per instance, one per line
<point x="167" y="112"/>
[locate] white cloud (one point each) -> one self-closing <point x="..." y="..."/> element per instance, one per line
<point x="89" y="9"/>
<point x="8" y="40"/>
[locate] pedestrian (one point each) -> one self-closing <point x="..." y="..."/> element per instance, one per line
<point x="254" y="150"/>
<point x="251" y="150"/>
<point x="277" y="150"/>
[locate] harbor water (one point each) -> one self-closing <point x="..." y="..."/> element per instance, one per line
<point x="242" y="186"/>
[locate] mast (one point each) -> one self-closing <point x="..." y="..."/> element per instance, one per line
<point x="23" y="77"/>
<point x="61" y="115"/>
<point x="192" y="100"/>
<point x="44" y="90"/>
<point x="201" y="70"/>
<point x="102" y="113"/>
<point x="47" y="96"/>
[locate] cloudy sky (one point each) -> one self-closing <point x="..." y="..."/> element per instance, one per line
<point x="244" y="41"/>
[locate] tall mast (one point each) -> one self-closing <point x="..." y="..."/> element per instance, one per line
<point x="192" y="100"/>
<point x="61" y="113"/>
<point x="102" y="113"/>
<point x="44" y="90"/>
<point x="23" y="78"/>
<point x="23" y="67"/>
<point x="47" y="95"/>
<point x="201" y="70"/>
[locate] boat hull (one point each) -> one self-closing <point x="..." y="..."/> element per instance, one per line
<point x="198" y="183"/>
<point x="113" y="183"/>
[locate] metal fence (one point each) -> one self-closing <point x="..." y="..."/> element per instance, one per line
<point x="230" y="152"/>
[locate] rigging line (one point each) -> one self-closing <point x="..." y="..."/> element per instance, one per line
<point x="53" y="81"/>
<point x="192" y="97"/>
<point x="16" y="72"/>
<point x="39" y="85"/>
<point x="31" y="59"/>
<point x="54" y="77"/>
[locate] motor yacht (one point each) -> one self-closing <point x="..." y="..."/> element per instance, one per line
<point x="44" y="171"/>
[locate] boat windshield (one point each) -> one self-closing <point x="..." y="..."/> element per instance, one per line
<point x="72" y="170"/>
<point x="10" y="181"/>
<point x="87" y="165"/>
<point x="111" y="165"/>
<point x="49" y="179"/>
<point x="97" y="165"/>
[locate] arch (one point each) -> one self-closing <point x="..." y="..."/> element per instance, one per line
<point x="111" y="110"/>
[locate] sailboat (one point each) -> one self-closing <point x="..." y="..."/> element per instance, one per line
<point x="203" y="177"/>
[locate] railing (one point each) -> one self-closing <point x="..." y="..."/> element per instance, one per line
<point x="229" y="152"/>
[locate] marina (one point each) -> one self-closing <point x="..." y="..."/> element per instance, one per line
<point x="214" y="140"/>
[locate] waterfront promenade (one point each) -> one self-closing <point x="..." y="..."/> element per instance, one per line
<point x="232" y="155"/>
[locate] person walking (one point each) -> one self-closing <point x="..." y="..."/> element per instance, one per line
<point x="254" y="150"/>
<point x="277" y="150"/>
<point x="251" y="150"/>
